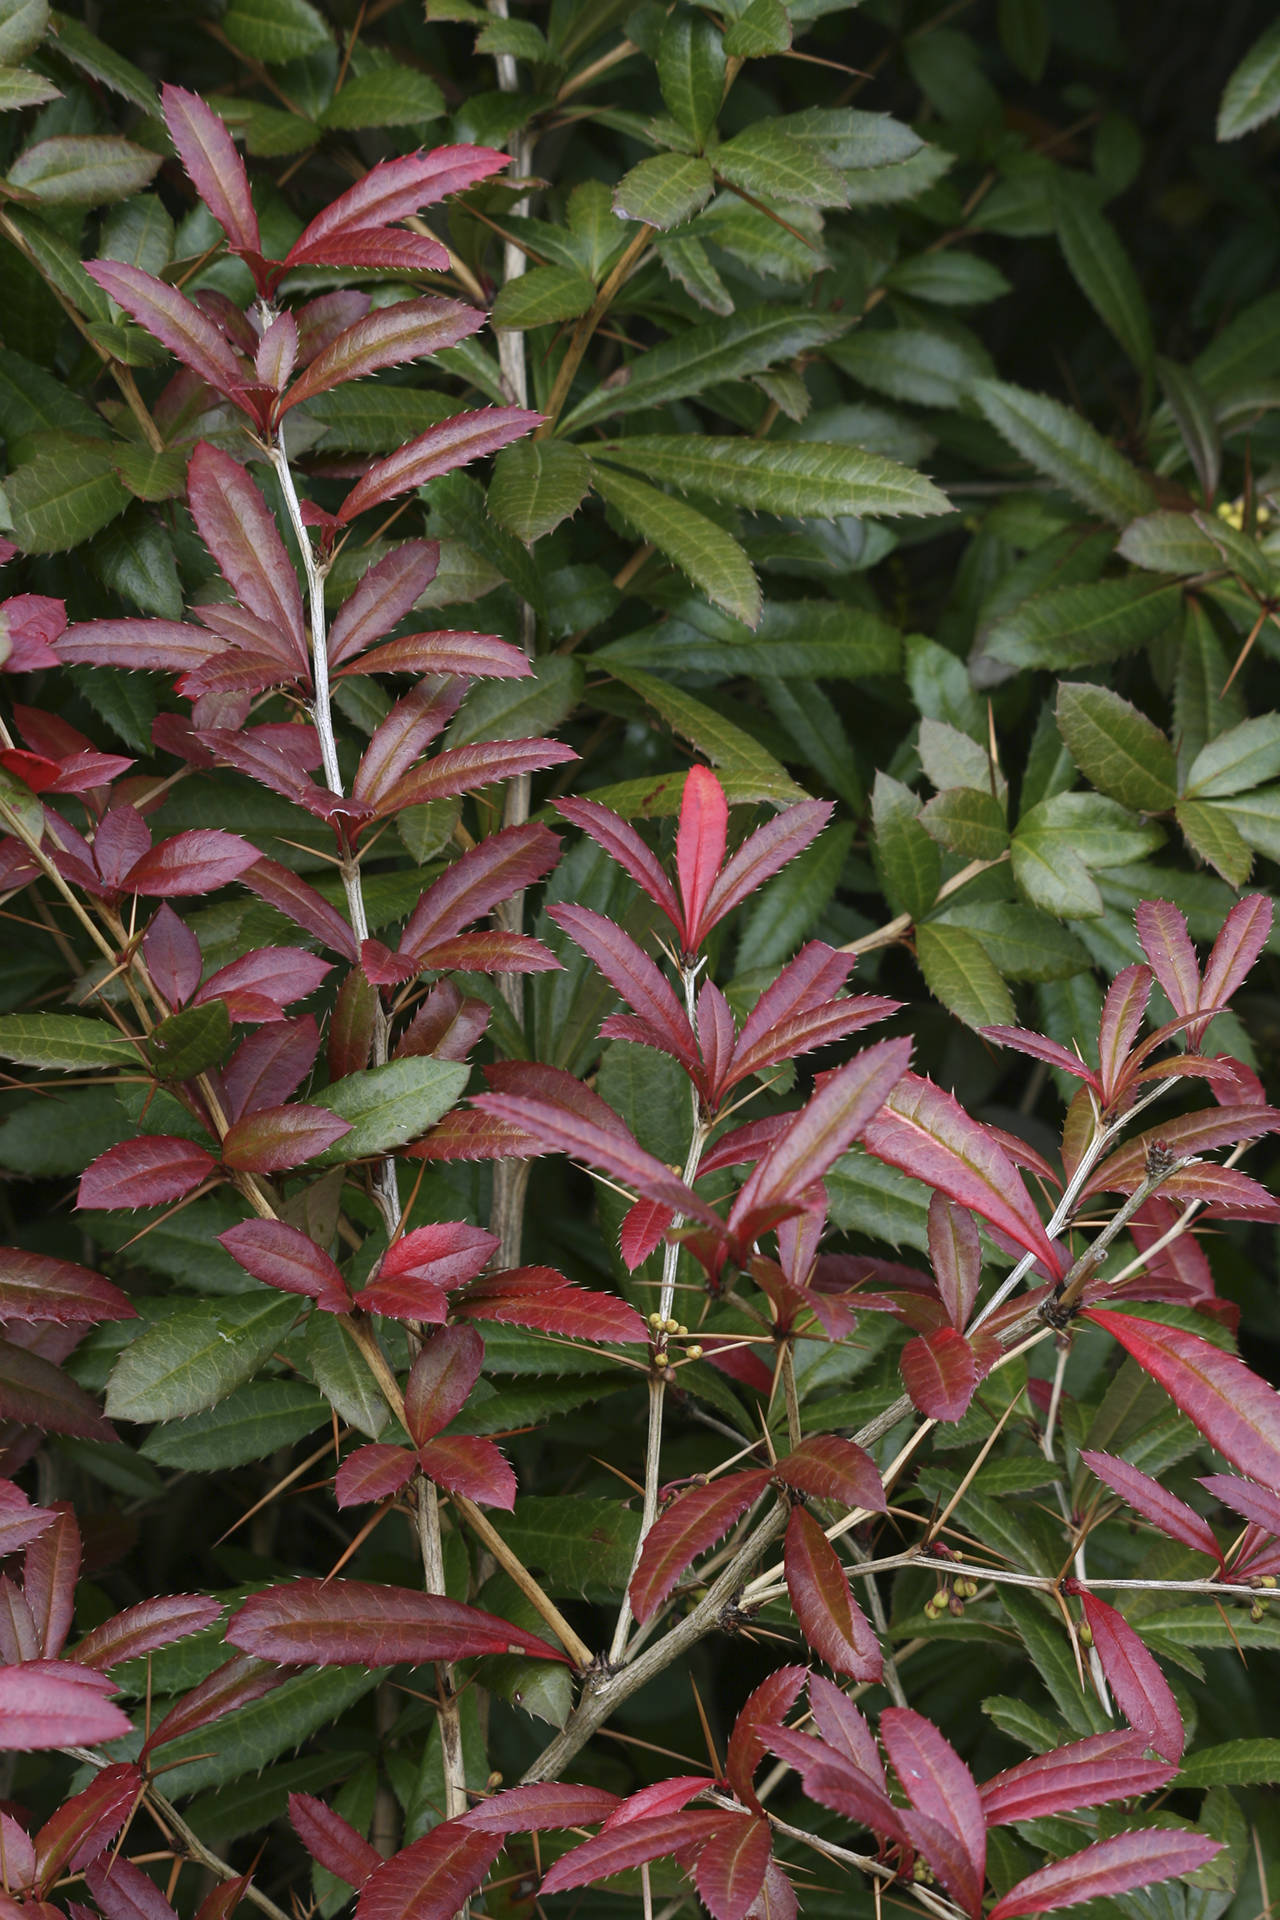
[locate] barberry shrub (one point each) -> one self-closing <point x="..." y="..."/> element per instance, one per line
<point x="586" y="1326"/>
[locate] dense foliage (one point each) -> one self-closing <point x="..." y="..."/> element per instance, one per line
<point x="639" y="794"/>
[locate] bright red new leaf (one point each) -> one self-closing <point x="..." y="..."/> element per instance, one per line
<point x="147" y="1172"/>
<point x="433" y="1878"/>
<point x="691" y="1524"/>
<point x="1107" y="1868"/>
<point x="700" y="848"/>
<point x="1142" y="1693"/>
<point x="1147" y="1497"/>
<point x="332" y="1840"/>
<point x="940" y="1372"/>
<point x="1106" y="1766"/>
<point x="828" y="1615"/>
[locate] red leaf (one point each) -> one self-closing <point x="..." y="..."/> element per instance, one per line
<point x="491" y="952"/>
<point x="454" y="442"/>
<point x="831" y="1468"/>
<point x="88" y="1822"/>
<point x="36" y="1393"/>
<point x="301" y="903"/>
<point x="928" y="1134"/>
<point x="401" y="738"/>
<point x="700" y="848"/>
<point x="630" y="1845"/>
<point x="664" y="1796"/>
<point x="146" y="1172"/>
<point x="440" y="1380"/>
<point x="1039" y="1048"/>
<point x="281" y="974"/>
<point x="405" y="1297"/>
<point x="285" y="1257"/>
<point x="166" y="646"/>
<point x="1142" y="1693"/>
<point x="145" y="1627"/>
<point x="49" y="1575"/>
<point x="818" y="1027"/>
<point x="1147" y="1497"/>
<point x="1107" y="1868"/>
<point x="503" y="864"/>
<point x="50" y="1703"/>
<point x="938" y="1783"/>
<point x="381" y="247"/>
<point x="464" y="769"/>
<point x="828" y="1615"/>
<point x="642" y="1230"/>
<point x="940" y="1372"/>
<point x="234" y="1684"/>
<point x="332" y="1840"/>
<point x="466" y="1464"/>
<point x="1106" y="1766"/>
<point x="34" y="1286"/>
<point x="396" y="188"/>
<point x="730" y="1869"/>
<point x="386" y="592"/>
<point x="691" y="1524"/>
<point x="1186" y="1133"/>
<point x="173" y="957"/>
<point x="1243" y="936"/>
<point x="406" y="331"/>
<point x="372" y="1473"/>
<point x="349" y="1623"/>
<point x="445" y="1254"/>
<point x="223" y="1899"/>
<point x="542" y="1298"/>
<point x="764" y="854"/>
<point x="20" y="1522"/>
<point x="1235" y="1410"/>
<point x="480" y="655"/>
<point x="433" y="1878"/>
<point x="277" y="1138"/>
<point x="623" y="844"/>
<point x="240" y="532"/>
<point x="956" y="1256"/>
<point x="1162" y="934"/>
<point x="633" y="975"/>
<point x="277" y="352"/>
<point x="270" y="1065"/>
<point x="847" y="1790"/>
<point x="544" y="1805"/>
<point x="475" y="1136"/>
<point x="214" y="167"/>
<point x="19" y="1635"/>
<point x="843" y="1727"/>
<point x="125" y="1892"/>
<point x="192" y="862"/>
<point x="175" y="321"/>
<point x="1121" y="1022"/>
<point x="1258" y="1504"/>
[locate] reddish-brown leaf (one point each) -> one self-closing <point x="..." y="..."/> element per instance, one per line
<point x="1259" y="1504"/>
<point x="543" y="1806"/>
<point x="1154" y="1502"/>
<point x="730" y="1868"/>
<point x="85" y="1824"/>
<point x="165" y="646"/>
<point x="464" y="769"/>
<point x="847" y="1790"/>
<point x="829" y="1467"/>
<point x="763" y="854"/>
<point x="214" y="167"/>
<point x="175" y="321"/>
<point x="767" y="1706"/>
<point x="385" y="247"/>
<point x="692" y="1523"/>
<point x="440" y="1380"/>
<point x="1037" y="1047"/>
<point x="480" y="655"/>
<point x="146" y="1172"/>
<point x="285" y="1257"/>
<point x="623" y="844"/>
<point x="197" y="861"/>
<point x="843" y="1728"/>
<point x="49" y="1575"/>
<point x="270" y="1065"/>
<point x="631" y="1844"/>
<point x="1122" y="1016"/>
<point x="385" y="593"/>
<point x="940" y="1372"/>
<point x="633" y="975"/>
<point x="36" y="1393"/>
<point x="936" y="1781"/>
<point x="1142" y="1693"/>
<point x="394" y="189"/>
<point x="542" y="1298"/>
<point x="956" y="1256"/>
<point x="642" y="1230"/>
<point x="123" y="1891"/>
<point x="278" y="974"/>
<point x="301" y="903"/>
<point x="1106" y="1766"/>
<point x="374" y="1472"/>
<point x="700" y="848"/>
<point x="453" y="443"/>
<point x="20" y="1522"/>
<point x="234" y="1684"/>
<point x="351" y="1623"/>
<point x="276" y="1138"/>
<point x="1162" y="934"/>
<point x="1107" y="1868"/>
<point x="433" y="1878"/>
<point x="35" y="1286"/>
<point x="663" y="1797"/>
<point x="332" y="1840"/>
<point x="406" y="331"/>
<point x="240" y="532"/>
<point x="472" y="1466"/>
<point x="828" y="1615"/>
<point x="501" y="865"/>
<point x="51" y="1703"/>
<point x="145" y="1627"/>
<point x="1243" y="936"/>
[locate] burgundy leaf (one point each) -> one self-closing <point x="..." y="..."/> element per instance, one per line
<point x="541" y="1297"/>
<point x="464" y="769"/>
<point x="956" y="1256"/>
<point x="633" y="975"/>
<point x="469" y="1465"/>
<point x="332" y="1840"/>
<point x="764" y="854"/>
<point x="20" y="1522"/>
<point x="631" y="1844"/>
<point x="446" y="1254"/>
<point x="623" y="844"/>
<point x="374" y="1472"/>
<point x="405" y="1297"/>
<point x="173" y="320"/>
<point x="34" y="1286"/>
<point x="270" y="1065"/>
<point x="234" y="1684"/>
<point x="386" y="338"/>
<point x="828" y="1615"/>
<point x="928" y="1134"/>
<point x="1107" y="1868"/>
<point x="222" y="1900"/>
<point x="394" y="189"/>
<point x="1186" y="1133"/>
<point x="400" y="739"/>
<point x="700" y="848"/>
<point x="285" y="1257"/>
<point x="937" y="1782"/>
<point x="466" y="437"/>
<point x="847" y="1790"/>
<point x="843" y="1727"/>
<point x="19" y="1858"/>
<point x="350" y="1623"/>
<point x="282" y="974"/>
<point x="277" y="1138"/>
<point x="1154" y="1502"/>
<point x="475" y="1136"/>
<point x="49" y="1575"/>
<point x="501" y="865"/>
<point x="124" y="1892"/>
<point x="192" y="862"/>
<point x="692" y="1523"/>
<point x="544" y="1805"/>
<point x="433" y="1878"/>
<point x="440" y="1380"/>
<point x="730" y="1868"/>
<point x="145" y="1627"/>
<point x="1243" y="936"/>
<point x="1106" y="1766"/>
<point x="1142" y="1693"/>
<point x="147" y="1172"/>
<point x="277" y="352"/>
<point x="166" y="646"/>
<point x="1224" y="1192"/>
<point x="214" y="167"/>
<point x="173" y="957"/>
<point x="940" y="1372"/>
<point x="1259" y="1504"/>
<point x="88" y="1822"/>
<point x="818" y="1027"/>
<point x="240" y="532"/>
<point x="36" y="1393"/>
<point x="1162" y="934"/>
<point x="1235" y="1410"/>
<point x="1039" y="1048"/>
<point x="1122" y="1016"/>
<point x="828" y="1467"/>
<point x="50" y="1703"/>
<point x="323" y="319"/>
<point x="642" y="1230"/>
<point x="301" y="903"/>
<point x="385" y="247"/>
<point x="664" y="1796"/>
<point x="481" y="655"/>
<point x="351" y="1026"/>
<point x="490" y="951"/>
<point x="384" y="595"/>
<point x="19" y="1635"/>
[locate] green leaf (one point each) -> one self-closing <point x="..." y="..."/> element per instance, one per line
<point x="1101" y="269"/>
<point x="83" y="169"/>
<point x="1251" y="96"/>
<point x="1115" y="746"/>
<point x="1190" y="407"/>
<point x="148" y="475"/>
<point x="815" y="728"/>
<point x="1066" y="450"/>
<point x="1169" y="543"/>
<point x="767" y="162"/>
<point x="253" y="1736"/>
<point x="716" y="350"/>
<point x="385" y="97"/>
<point x="1025" y="1724"/>
<point x="64" y="1041"/>
<point x="335" y="1363"/>
<point x="1083" y="626"/>
<point x="1023" y="26"/>
<point x="248" y="1425"/>
<point x="135" y="558"/>
<point x="20" y="87"/>
<point x="664" y="191"/>
<point x="93" y="56"/>
<point x="754" y="774"/>
<point x="1245" y="757"/>
<point x="907" y="859"/>
<point x="371" y="418"/>
<point x="69" y="491"/>
<point x="761" y="29"/>
<point x="32" y="401"/>
<point x="1211" y="834"/>
<point x="689" y="264"/>
<point x="1023" y="943"/>
<point x="822" y="481"/>
<point x="390" y="1105"/>
<point x="140" y="232"/>
<point x="1057" y="842"/>
<point x="1044" y="1637"/>
<point x="196" y="1354"/>
<point x="869" y="1197"/>
<point x="275" y="30"/>
<point x="796" y="639"/>
<point x="1256" y="817"/>
<point x="519" y="38"/>
<point x="1235" y="1763"/>
<point x="23" y="25"/>
<point x="520" y="709"/>
<point x="19" y="806"/>
<point x="950" y="757"/>
<point x="536" y="484"/>
<point x="969" y="821"/>
<point x="190" y="1042"/>
<point x="574" y="1547"/>
<point x="1203" y="704"/>
<point x="914" y="363"/>
<point x="691" y="70"/>
<point x="707" y="556"/>
<point x="948" y="279"/>
<point x="960" y="972"/>
<point x="543" y="295"/>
